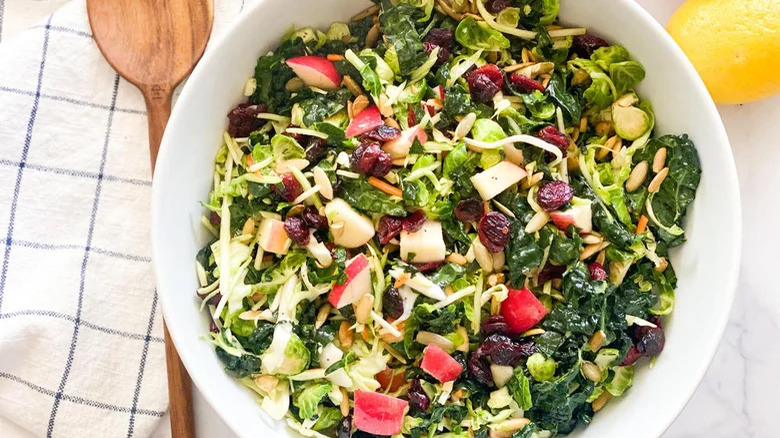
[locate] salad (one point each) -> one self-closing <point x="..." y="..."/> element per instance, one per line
<point x="443" y="218"/>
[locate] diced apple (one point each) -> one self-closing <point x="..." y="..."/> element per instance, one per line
<point x="273" y="237"/>
<point x="365" y="121"/>
<point x="426" y="244"/>
<point x="378" y="414"/>
<point x="580" y="215"/>
<point x="330" y="354"/>
<point x="316" y="71"/>
<point x="522" y="310"/>
<point x="439" y="364"/>
<point x="358" y="283"/>
<point x="349" y="228"/>
<point x="399" y="148"/>
<point x="501" y="374"/>
<point x="496" y="179"/>
<point x="319" y="251"/>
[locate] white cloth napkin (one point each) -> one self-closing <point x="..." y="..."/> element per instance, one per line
<point x="81" y="341"/>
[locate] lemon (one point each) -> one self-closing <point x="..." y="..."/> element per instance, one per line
<point x="734" y="45"/>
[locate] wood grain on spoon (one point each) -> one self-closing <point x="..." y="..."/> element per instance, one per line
<point x="154" y="44"/>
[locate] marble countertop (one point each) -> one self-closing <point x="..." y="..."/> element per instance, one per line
<point x="740" y="395"/>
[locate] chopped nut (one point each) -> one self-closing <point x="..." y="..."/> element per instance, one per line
<point x="351" y="85"/>
<point x="266" y="383"/>
<point x="350" y="114"/>
<point x="250" y="86"/>
<point x="659" y="160"/>
<point x="591" y="371"/>
<point x="603" y="128"/>
<point x="249" y="227"/>
<point x="372" y="36"/>
<point x="391" y="122"/>
<point x="662" y="267"/>
<point x="601" y="401"/>
<point x="322" y="315"/>
<point x="590" y="250"/>
<point x="533" y="332"/>
<point x="601" y="257"/>
<point x="584" y="124"/>
<point x="597" y="340"/>
<point x="449" y="290"/>
<point x="531" y="180"/>
<point x="655" y="184"/>
<point x="590" y="239"/>
<point x="360" y="103"/>
<point x="295" y="84"/>
<point x="457" y="259"/>
<point x="344" y="405"/>
<point x="637" y="176"/>
<point x="363" y="310"/>
<point x="345" y="335"/>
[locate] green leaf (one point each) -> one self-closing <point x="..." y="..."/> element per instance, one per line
<point x="538" y="105"/>
<point x="520" y="388"/>
<point x="478" y="35"/>
<point x="307" y="400"/>
<point x="569" y="105"/>
<point x="624" y="377"/>
<point x="487" y="130"/>
<point x="328" y="418"/>
<point x="365" y="197"/>
<point x="606" y="56"/>
<point x="626" y="75"/>
<point x="398" y="24"/>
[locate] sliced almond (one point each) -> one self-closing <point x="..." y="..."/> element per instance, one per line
<point x="465" y="125"/>
<point x="372" y="36"/>
<point x="352" y="86"/>
<point x="655" y="184"/>
<point x="590" y="250"/>
<point x="322" y="180"/>
<point x="391" y="122"/>
<point x="322" y="315"/>
<point x="637" y="176"/>
<point x="384" y="106"/>
<point x="536" y="223"/>
<point x="603" y="128"/>
<point x="659" y="160"/>
<point x="363" y="308"/>
<point x="360" y="103"/>
<point x="591" y="239"/>
<point x="344" y="405"/>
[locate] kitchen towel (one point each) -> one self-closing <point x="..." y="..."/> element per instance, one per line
<point x="81" y="339"/>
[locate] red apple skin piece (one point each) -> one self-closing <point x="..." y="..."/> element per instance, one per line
<point x="440" y="365"/>
<point x="561" y="220"/>
<point x="377" y="413"/>
<point x="522" y="310"/>
<point x="365" y="121"/>
<point x="316" y="71"/>
<point x="440" y="92"/>
<point x="399" y="148"/>
<point x="356" y="266"/>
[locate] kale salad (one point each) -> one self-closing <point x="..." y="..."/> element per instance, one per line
<point x="443" y="218"/>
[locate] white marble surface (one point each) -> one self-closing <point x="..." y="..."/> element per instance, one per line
<point x="740" y="395"/>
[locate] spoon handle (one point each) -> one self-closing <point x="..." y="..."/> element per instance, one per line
<point x="158" y="110"/>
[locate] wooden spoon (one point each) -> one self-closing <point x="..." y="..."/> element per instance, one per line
<point x="154" y="44"/>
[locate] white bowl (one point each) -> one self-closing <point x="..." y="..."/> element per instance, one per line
<point x="706" y="265"/>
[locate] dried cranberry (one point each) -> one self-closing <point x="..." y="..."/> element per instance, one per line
<point x="442" y="37"/>
<point x="480" y="369"/>
<point x="215" y="299"/>
<point x="215" y="218"/>
<point x="296" y="230"/>
<point x="428" y="267"/>
<point x="657" y="321"/>
<point x="494" y="324"/>
<point x="411" y="118"/>
<point x="290" y="188"/>
<point x="441" y="57"/>
<point x="388" y="228"/>
<point x="549" y="272"/>
<point x="370" y="159"/>
<point x="313" y="219"/>
<point x="494" y="231"/>
<point x="414" y="221"/>
<point x="523" y="84"/>
<point x="632" y="356"/>
<point x="496" y="6"/>
<point x="294" y="135"/>
<point x="381" y="133"/>
<point x="552" y="135"/>
<point x="315" y="149"/>
<point x="242" y="119"/>
<point x="585" y="45"/>
<point x="485" y="82"/>
<point x="345" y="427"/>
<point x="554" y="195"/>
<point x="651" y="340"/>
<point x="418" y="399"/>
<point x="597" y="271"/>
<point x="392" y="303"/>
<point x="469" y="210"/>
<point x="213" y="326"/>
<point x="504" y="351"/>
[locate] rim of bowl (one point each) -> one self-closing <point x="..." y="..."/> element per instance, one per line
<point x="730" y="279"/>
